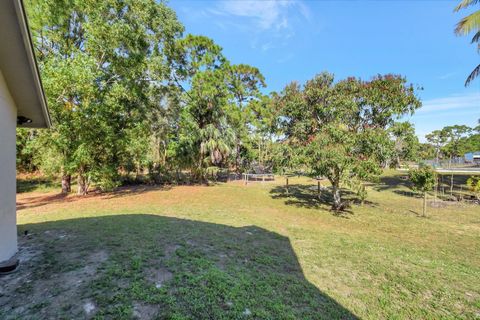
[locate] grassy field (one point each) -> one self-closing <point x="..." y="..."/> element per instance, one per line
<point x="231" y="251"/>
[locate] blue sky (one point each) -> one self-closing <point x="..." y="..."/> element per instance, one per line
<point x="294" y="40"/>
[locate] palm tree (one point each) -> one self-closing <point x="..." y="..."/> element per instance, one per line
<point x="466" y="25"/>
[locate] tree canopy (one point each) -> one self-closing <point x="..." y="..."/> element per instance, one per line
<point x="453" y="142"/>
<point x="423" y="180"/>
<point x="339" y="129"/>
<point x="133" y="97"/>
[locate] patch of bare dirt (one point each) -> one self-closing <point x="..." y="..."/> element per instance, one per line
<point x="170" y="250"/>
<point x="144" y="311"/>
<point x="158" y="276"/>
<point x="36" y="291"/>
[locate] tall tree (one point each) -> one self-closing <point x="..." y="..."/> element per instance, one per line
<point x="406" y="142"/>
<point x="216" y="96"/>
<point x="199" y="71"/>
<point x="467" y="25"/>
<point x="455" y="137"/>
<point x="244" y="83"/>
<point x="104" y="65"/>
<point x="338" y="130"/>
<point x="437" y="139"/>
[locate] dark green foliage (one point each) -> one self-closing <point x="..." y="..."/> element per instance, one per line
<point x="130" y="95"/>
<point x="453" y="142"/>
<point x="105" y="69"/>
<point x="341" y="130"/>
<point x="406" y="142"/>
<point x="25" y="161"/>
<point x="474" y="184"/>
<point x="127" y="93"/>
<point x="423" y="180"/>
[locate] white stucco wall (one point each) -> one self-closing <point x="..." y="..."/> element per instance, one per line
<point x="8" y="219"/>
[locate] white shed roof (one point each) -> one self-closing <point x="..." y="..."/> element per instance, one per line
<point x="18" y="65"/>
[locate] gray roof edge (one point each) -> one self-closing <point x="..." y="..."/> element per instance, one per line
<point x="27" y="39"/>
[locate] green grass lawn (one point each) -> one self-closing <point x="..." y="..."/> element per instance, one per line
<point x="231" y="251"/>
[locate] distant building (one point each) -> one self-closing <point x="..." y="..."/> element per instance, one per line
<point x="473" y="157"/>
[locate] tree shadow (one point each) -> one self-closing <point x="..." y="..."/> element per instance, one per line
<point x="392" y="182"/>
<point x="306" y="196"/>
<point x="49" y="198"/>
<point x="41" y="200"/>
<point x="459" y="179"/>
<point x="408" y="193"/>
<point x="32" y="184"/>
<point x="134" y="190"/>
<point x="301" y="196"/>
<point x="402" y="186"/>
<point x="121" y="266"/>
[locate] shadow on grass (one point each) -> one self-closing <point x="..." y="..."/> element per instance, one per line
<point x="392" y="182"/>
<point x="306" y="196"/>
<point x="134" y="190"/>
<point x="459" y="179"/>
<point x="33" y="184"/>
<point x="41" y="200"/>
<point x="408" y="193"/>
<point x="159" y="267"/>
<point x="401" y="180"/>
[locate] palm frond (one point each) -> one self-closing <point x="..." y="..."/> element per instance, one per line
<point x="468" y="24"/>
<point x="476" y="37"/>
<point x="465" y="3"/>
<point x="475" y="73"/>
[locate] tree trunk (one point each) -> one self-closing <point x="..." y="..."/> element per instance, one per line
<point x="66" y="183"/>
<point x="164" y="160"/>
<point x="237" y="156"/>
<point x="451" y="184"/>
<point x="384" y="164"/>
<point x="337" y="199"/>
<point x="82" y="184"/>
<point x="199" y="173"/>
<point x="318" y="190"/>
<point x="137" y="172"/>
<point x="398" y="161"/>
<point x="425" y="204"/>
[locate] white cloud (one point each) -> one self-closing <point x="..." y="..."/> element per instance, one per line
<point x="447" y="75"/>
<point x="267" y="46"/>
<point x="454" y="102"/>
<point x="271" y="23"/>
<point x="440" y="112"/>
<point x="304" y="10"/>
<point x="285" y="58"/>
<point x="266" y="15"/>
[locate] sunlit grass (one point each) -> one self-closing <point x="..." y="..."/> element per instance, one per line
<point x="236" y="251"/>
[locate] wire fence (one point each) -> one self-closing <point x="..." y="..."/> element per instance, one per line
<point x="448" y="187"/>
<point x="454" y="163"/>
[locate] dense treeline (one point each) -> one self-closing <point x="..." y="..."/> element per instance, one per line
<point x="131" y="95"/>
<point x="127" y="92"/>
<point x="452" y="142"/>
